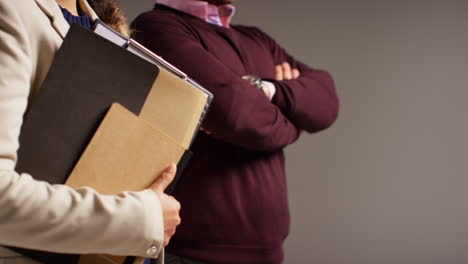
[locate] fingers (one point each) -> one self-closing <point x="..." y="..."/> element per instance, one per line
<point x="167" y="238"/>
<point x="295" y="73"/>
<point x="166" y="177"/>
<point x="176" y="207"/>
<point x="278" y="72"/>
<point x="171" y="212"/>
<point x="283" y="71"/>
<point x="287" y="74"/>
<point x="168" y="235"/>
<point x="172" y="220"/>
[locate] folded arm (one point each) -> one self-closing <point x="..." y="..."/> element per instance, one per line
<point x="309" y="101"/>
<point x="239" y="114"/>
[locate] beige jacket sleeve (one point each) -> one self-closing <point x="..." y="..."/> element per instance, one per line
<point x="47" y="217"/>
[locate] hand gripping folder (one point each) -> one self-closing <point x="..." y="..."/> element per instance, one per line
<point x="110" y="115"/>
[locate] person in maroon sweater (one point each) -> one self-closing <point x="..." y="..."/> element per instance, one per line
<point x="233" y="192"/>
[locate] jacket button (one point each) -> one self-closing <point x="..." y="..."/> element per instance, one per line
<point x="152" y="251"/>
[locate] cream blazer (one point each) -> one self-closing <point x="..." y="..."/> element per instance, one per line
<point x="47" y="217"/>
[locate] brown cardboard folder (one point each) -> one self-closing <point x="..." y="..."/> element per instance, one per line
<point x="175" y="107"/>
<point x="125" y="153"/>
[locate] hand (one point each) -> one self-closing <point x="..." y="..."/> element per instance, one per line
<point x="170" y="206"/>
<point x="283" y="71"/>
<point x="266" y="91"/>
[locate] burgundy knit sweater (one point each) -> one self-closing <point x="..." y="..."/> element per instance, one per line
<point x="233" y="192"/>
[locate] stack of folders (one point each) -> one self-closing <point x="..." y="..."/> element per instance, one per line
<point x="110" y="115"/>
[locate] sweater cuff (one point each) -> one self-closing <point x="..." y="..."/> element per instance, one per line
<point x="279" y="98"/>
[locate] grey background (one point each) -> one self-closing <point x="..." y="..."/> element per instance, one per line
<point x="388" y="182"/>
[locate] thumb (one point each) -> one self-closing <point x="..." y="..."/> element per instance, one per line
<point x="164" y="179"/>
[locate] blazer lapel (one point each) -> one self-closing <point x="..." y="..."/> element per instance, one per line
<point x="52" y="10"/>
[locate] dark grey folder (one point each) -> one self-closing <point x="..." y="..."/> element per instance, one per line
<point x="89" y="73"/>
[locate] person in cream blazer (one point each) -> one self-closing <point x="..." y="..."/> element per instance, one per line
<point x="56" y="218"/>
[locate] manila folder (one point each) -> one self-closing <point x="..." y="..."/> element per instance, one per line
<point x="125" y="154"/>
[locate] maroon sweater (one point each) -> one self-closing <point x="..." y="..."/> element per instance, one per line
<point x="233" y="192"/>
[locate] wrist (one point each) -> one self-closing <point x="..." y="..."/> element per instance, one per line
<point x="254" y="80"/>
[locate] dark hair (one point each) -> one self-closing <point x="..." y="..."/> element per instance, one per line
<point x="111" y="14"/>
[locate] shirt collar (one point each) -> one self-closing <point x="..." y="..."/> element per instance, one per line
<point x="217" y="15"/>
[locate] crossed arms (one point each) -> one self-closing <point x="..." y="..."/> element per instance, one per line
<point x="242" y="115"/>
